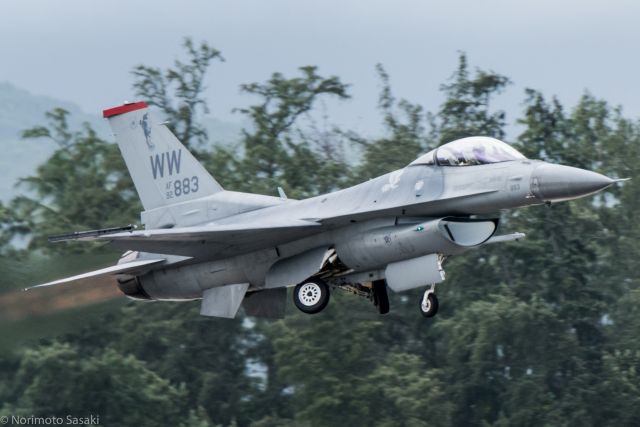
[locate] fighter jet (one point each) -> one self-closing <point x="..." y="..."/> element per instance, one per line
<point x="226" y="248"/>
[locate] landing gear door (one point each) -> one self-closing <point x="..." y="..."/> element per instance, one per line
<point x="293" y="270"/>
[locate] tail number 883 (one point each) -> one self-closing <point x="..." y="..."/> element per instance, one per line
<point x="185" y="186"/>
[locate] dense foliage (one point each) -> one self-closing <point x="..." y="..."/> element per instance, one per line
<point x="540" y="332"/>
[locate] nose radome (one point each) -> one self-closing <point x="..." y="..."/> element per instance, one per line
<point x="556" y="182"/>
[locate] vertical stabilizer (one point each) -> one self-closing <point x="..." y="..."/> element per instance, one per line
<point x="163" y="170"/>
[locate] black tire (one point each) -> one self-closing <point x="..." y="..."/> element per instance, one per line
<point x="380" y="296"/>
<point x="432" y="309"/>
<point x="311" y="296"/>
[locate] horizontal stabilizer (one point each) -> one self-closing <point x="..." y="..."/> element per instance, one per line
<point x="104" y="273"/>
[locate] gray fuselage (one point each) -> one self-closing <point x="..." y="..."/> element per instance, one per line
<point x="412" y="194"/>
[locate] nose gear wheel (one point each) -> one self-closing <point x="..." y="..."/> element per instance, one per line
<point x="429" y="303"/>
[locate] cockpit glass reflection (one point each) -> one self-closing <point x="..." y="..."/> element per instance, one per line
<point x="470" y="152"/>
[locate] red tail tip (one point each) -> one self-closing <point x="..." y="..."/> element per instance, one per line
<point x="125" y="108"/>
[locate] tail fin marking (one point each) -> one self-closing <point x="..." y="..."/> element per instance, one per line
<point x="164" y="172"/>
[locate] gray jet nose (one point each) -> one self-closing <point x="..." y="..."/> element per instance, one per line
<point x="551" y="182"/>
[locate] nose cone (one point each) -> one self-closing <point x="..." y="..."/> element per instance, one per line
<point x="551" y="182"/>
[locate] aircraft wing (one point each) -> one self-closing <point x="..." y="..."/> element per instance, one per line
<point x="106" y="275"/>
<point x="210" y="241"/>
<point x="438" y="207"/>
<point x="216" y="241"/>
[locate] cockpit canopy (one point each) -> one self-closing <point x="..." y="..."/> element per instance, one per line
<point x="475" y="150"/>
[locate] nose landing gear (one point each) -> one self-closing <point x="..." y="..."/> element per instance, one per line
<point x="429" y="302"/>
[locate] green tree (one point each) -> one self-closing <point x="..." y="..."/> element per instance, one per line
<point x="178" y="91"/>
<point x="6" y="218"/>
<point x="563" y="273"/>
<point x="405" y="126"/>
<point x="206" y="355"/>
<point x="56" y="380"/>
<point x="324" y="365"/>
<point x="467" y="108"/>
<point x="276" y="152"/>
<point x="403" y="391"/>
<point x="83" y="185"/>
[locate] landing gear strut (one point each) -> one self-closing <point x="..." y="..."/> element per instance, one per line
<point x="429" y="302"/>
<point x="380" y="296"/>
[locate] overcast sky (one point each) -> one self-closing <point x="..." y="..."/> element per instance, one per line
<point x="83" y="50"/>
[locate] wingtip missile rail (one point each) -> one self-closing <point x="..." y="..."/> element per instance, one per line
<point x="90" y="234"/>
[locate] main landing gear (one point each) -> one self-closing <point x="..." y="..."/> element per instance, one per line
<point x="429" y="302"/>
<point x="311" y="296"/>
<point x="380" y="296"/>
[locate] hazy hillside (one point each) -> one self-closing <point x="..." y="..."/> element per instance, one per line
<point x="20" y="109"/>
